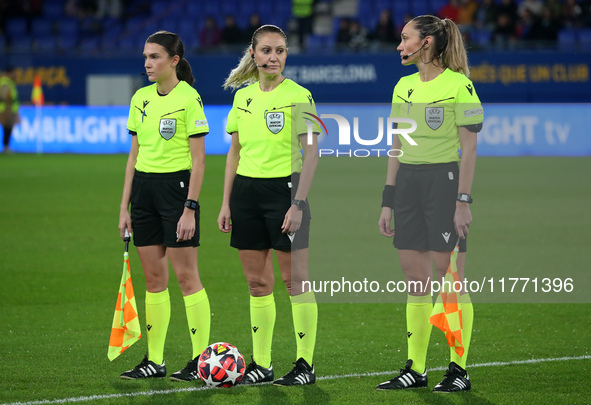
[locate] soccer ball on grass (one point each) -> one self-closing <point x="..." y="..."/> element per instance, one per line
<point x="221" y="365"/>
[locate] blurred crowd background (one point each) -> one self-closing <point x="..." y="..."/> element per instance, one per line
<point x="313" y="26"/>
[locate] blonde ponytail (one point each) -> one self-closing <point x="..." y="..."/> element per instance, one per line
<point x="247" y="72"/>
<point x="449" y="46"/>
<point x="454" y="55"/>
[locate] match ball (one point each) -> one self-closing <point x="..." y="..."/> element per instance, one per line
<point x="221" y="365"/>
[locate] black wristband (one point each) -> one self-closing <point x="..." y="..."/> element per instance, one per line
<point x="192" y="204"/>
<point x="388" y="196"/>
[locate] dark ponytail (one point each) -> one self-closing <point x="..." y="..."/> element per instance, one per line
<point x="184" y="72"/>
<point x="174" y="46"/>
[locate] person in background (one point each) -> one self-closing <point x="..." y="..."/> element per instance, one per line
<point x="231" y="33"/>
<point x="210" y="35"/>
<point x="385" y="32"/>
<point x="9" y="106"/>
<point x="303" y="12"/>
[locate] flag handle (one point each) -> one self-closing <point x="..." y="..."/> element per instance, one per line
<point x="127" y="238"/>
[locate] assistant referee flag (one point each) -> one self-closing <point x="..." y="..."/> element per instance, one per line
<point x="126" y="329"/>
<point x="446" y="314"/>
<point x="37" y="97"/>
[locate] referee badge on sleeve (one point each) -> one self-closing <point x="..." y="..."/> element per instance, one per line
<point x="275" y="121"/>
<point x="167" y="127"/>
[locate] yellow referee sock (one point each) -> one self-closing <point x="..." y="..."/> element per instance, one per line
<point x="305" y="323"/>
<point x="199" y="320"/>
<point x="465" y="305"/>
<point x="418" y="314"/>
<point x="262" y="322"/>
<point x="157" y="320"/>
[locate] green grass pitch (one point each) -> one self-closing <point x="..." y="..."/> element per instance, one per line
<point x="61" y="259"/>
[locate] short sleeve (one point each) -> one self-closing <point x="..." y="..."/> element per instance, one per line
<point x="232" y="124"/>
<point x="305" y="111"/>
<point x="195" y="117"/>
<point x="131" y="124"/>
<point x="395" y="111"/>
<point x="468" y="107"/>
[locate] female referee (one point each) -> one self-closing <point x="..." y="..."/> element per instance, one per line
<point x="265" y="198"/>
<point x="163" y="179"/>
<point x="429" y="193"/>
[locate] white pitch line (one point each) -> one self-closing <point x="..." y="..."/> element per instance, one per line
<point x="327" y="377"/>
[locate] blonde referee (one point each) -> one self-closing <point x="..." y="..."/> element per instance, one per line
<point x="265" y="198"/>
<point x="428" y="187"/>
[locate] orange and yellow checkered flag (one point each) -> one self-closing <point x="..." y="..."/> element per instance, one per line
<point x="37" y="97"/>
<point x="446" y="314"/>
<point x="126" y="329"/>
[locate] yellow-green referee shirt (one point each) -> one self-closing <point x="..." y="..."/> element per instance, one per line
<point x="439" y="107"/>
<point x="163" y="125"/>
<point x="268" y="125"/>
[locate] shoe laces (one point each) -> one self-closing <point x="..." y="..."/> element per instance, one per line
<point x="192" y="364"/>
<point x="143" y="364"/>
<point x="252" y="366"/>
<point x="298" y="366"/>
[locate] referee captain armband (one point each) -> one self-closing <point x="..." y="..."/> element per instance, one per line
<point x="192" y="204"/>
<point x="388" y="196"/>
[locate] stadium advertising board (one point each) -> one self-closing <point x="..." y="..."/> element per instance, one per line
<point x="508" y="130"/>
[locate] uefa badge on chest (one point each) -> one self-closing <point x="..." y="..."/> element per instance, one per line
<point x="434" y="117"/>
<point x="275" y="121"/>
<point x="167" y="128"/>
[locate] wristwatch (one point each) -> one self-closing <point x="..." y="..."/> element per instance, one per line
<point x="465" y="198"/>
<point x="300" y="204"/>
<point x="192" y="204"/>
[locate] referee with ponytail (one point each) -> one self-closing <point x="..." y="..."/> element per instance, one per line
<point x="163" y="179"/>
<point x="428" y="186"/>
<point x="269" y="170"/>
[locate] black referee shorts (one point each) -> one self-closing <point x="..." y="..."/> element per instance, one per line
<point x="424" y="207"/>
<point x="258" y="207"/>
<point x="157" y="204"/>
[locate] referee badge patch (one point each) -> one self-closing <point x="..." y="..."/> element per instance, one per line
<point x="434" y="117"/>
<point x="275" y="121"/>
<point x="167" y="127"/>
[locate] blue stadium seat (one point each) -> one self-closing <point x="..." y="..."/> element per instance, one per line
<point x="47" y="44"/>
<point x="16" y="27"/>
<point x="187" y="28"/>
<point x="229" y="7"/>
<point x="22" y="44"/>
<point x="42" y="27"/>
<point x="585" y="39"/>
<point x="53" y="10"/>
<point x="436" y="5"/>
<point x="90" y="45"/>
<point x="211" y="8"/>
<point x="383" y="4"/>
<point x="481" y="37"/>
<point x="399" y="9"/>
<point x="283" y="9"/>
<point x="68" y="27"/>
<point x="567" y="40"/>
<point x="160" y="7"/>
<point x="67" y="42"/>
<point x="420" y="7"/>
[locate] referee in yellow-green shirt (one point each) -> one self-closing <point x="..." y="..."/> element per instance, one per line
<point x="163" y="179"/>
<point x="265" y="203"/>
<point x="428" y="186"/>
